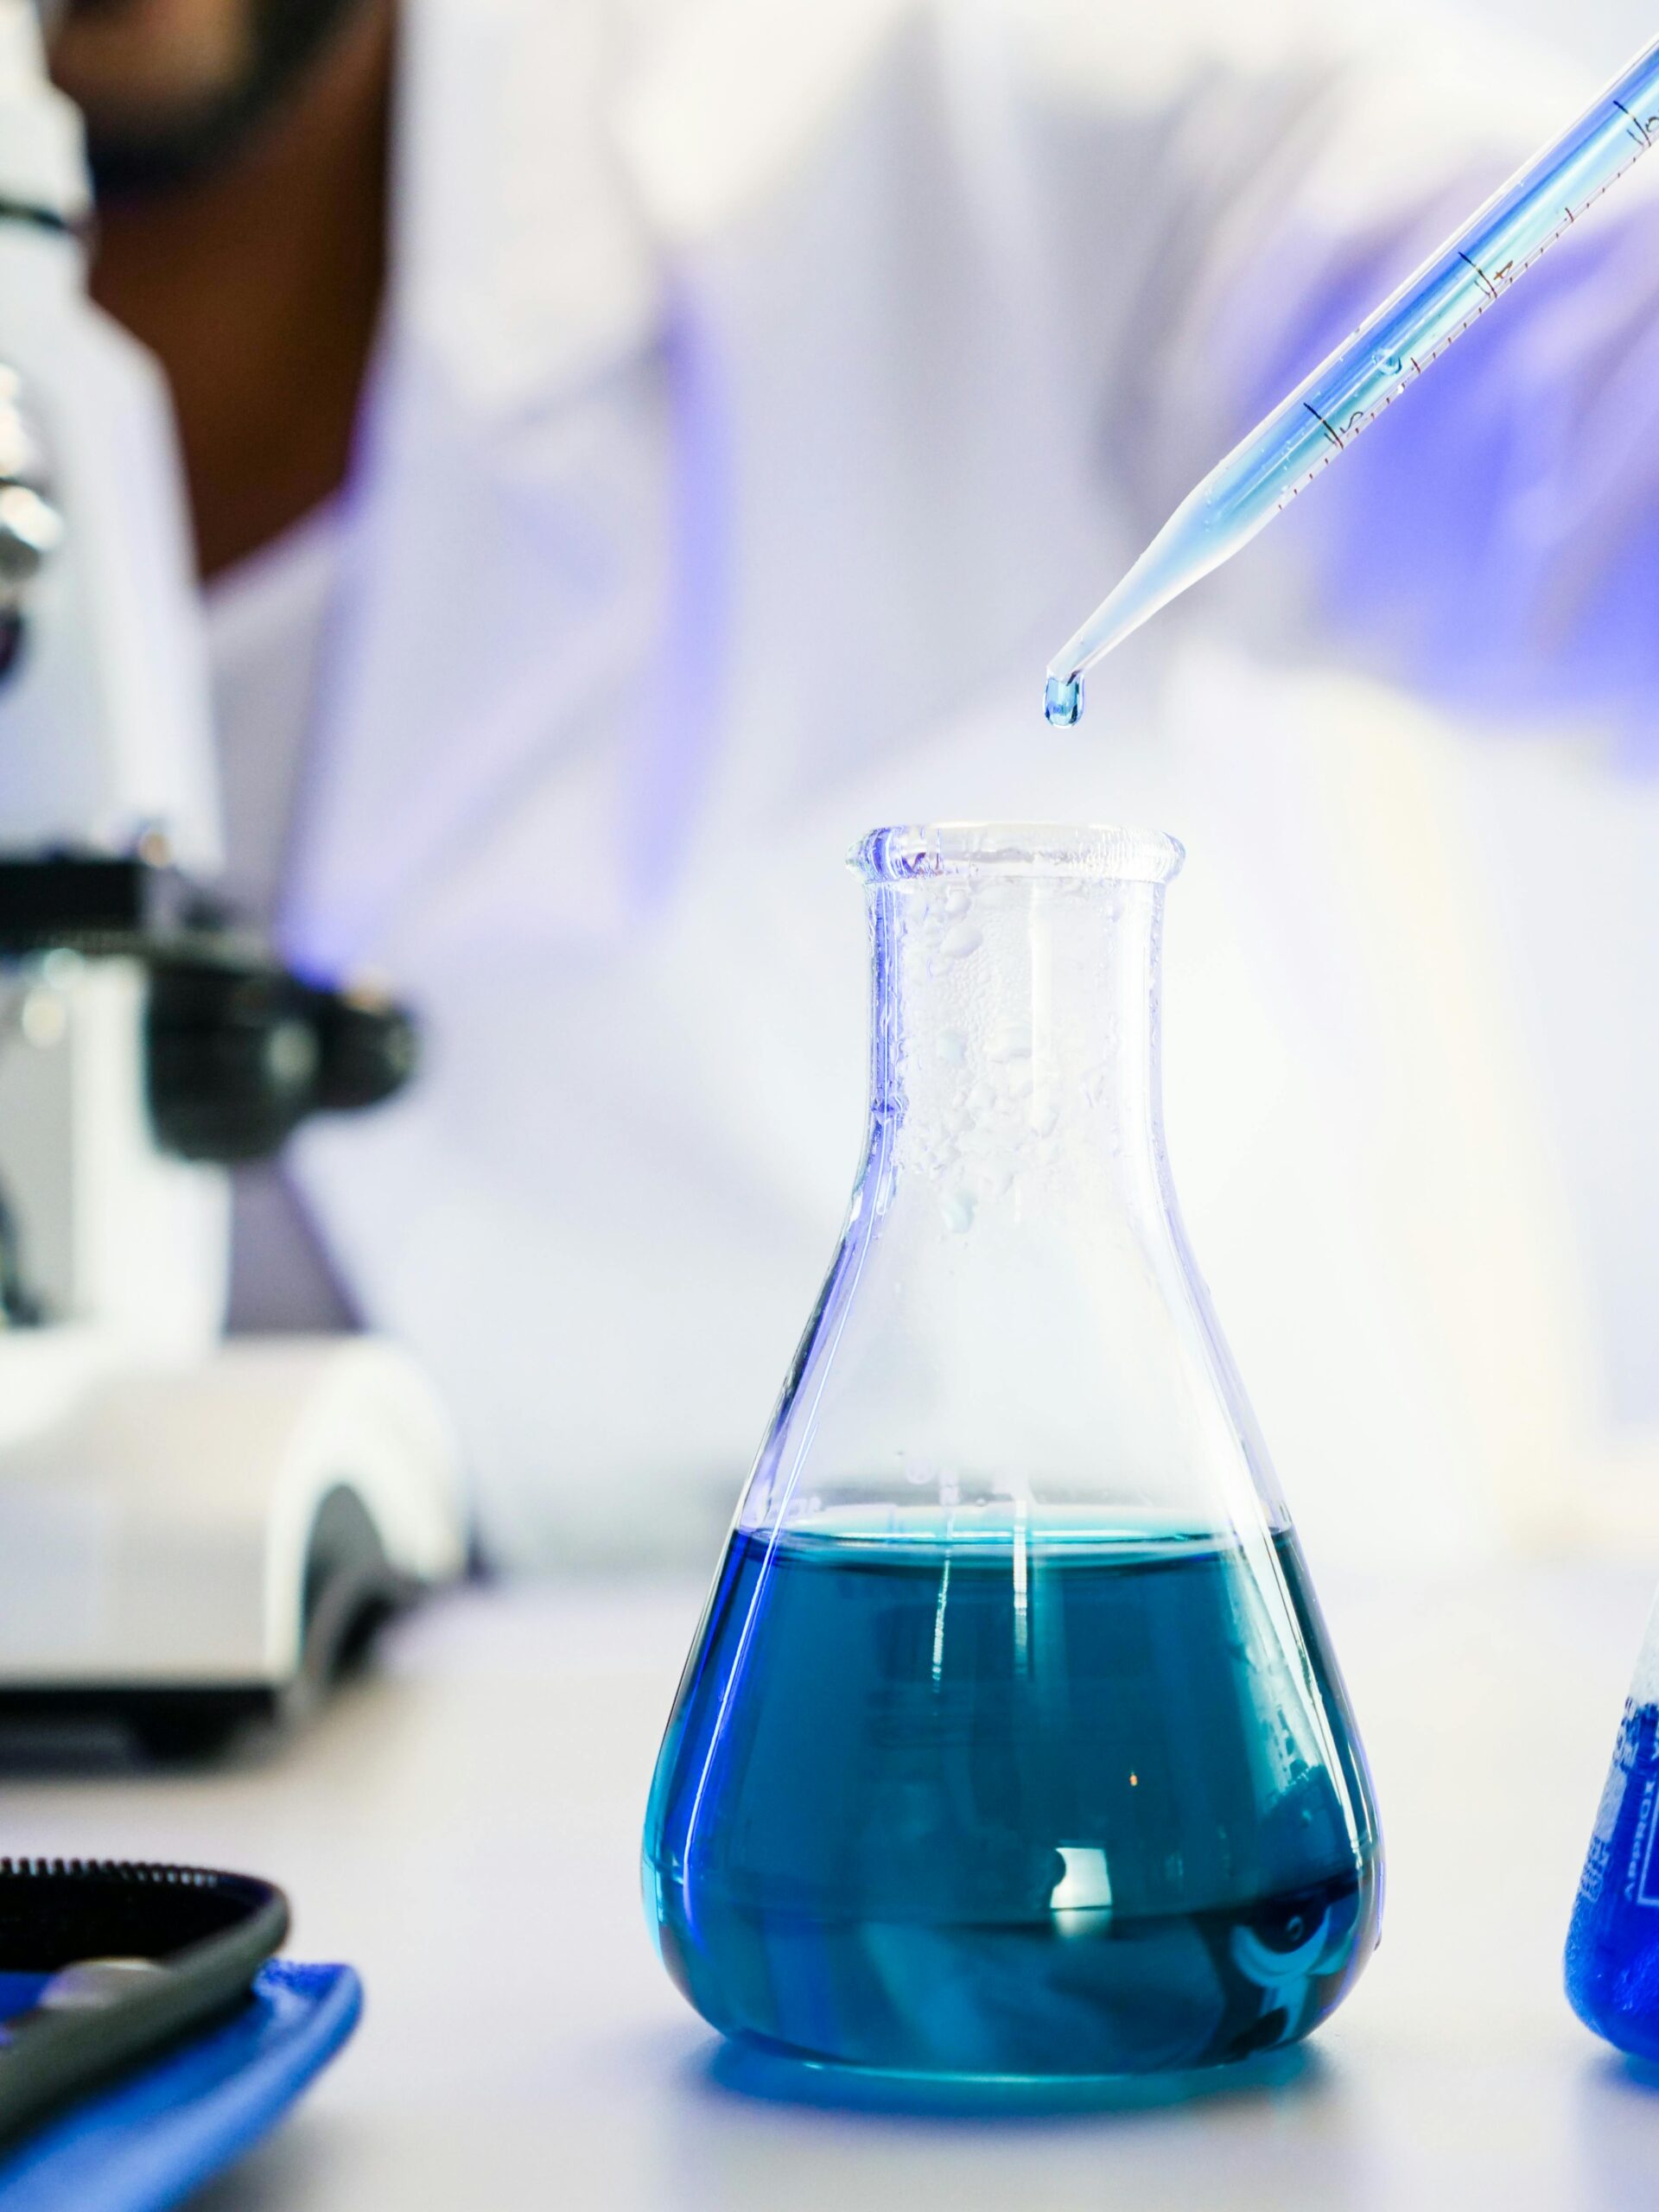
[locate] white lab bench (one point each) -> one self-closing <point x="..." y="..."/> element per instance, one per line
<point x="465" y="1829"/>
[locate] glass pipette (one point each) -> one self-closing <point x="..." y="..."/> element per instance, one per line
<point x="1369" y="371"/>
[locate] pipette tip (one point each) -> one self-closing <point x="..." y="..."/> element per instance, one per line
<point x="1063" y="700"/>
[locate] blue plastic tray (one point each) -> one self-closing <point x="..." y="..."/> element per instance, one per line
<point x="149" y="2138"/>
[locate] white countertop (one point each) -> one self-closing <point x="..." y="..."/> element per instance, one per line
<point x="465" y="1829"/>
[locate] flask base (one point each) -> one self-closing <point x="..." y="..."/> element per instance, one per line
<point x="755" y="2068"/>
<point x="1082" y="1994"/>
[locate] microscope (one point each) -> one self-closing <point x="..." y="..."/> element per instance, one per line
<point x="193" y="1530"/>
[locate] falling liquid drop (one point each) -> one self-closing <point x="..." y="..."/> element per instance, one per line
<point x="1063" y="702"/>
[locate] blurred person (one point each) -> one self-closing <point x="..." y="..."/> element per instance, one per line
<point x="635" y="446"/>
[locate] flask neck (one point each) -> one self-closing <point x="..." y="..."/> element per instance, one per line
<point x="1015" y="1038"/>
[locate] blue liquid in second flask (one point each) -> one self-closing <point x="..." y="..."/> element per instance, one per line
<point x="1026" y="1802"/>
<point x="1612" y="1946"/>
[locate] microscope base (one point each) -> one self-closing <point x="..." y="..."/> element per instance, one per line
<point x="184" y="1548"/>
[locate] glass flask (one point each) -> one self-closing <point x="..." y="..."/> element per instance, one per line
<point x="1011" y="1743"/>
<point x="1612" y="1944"/>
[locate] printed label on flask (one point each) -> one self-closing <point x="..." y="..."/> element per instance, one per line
<point x="1644" y="1887"/>
<point x="1627" y="1820"/>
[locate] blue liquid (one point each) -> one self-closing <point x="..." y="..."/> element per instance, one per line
<point x="1063" y="702"/>
<point x="1612" y="1947"/>
<point x="935" y="1805"/>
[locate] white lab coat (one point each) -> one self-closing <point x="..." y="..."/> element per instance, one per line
<point x="766" y="389"/>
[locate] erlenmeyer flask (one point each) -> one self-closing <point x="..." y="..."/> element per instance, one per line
<point x="1612" y="1944"/>
<point x="1010" y="1743"/>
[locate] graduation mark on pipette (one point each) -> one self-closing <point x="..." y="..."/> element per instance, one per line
<point x="1370" y="369"/>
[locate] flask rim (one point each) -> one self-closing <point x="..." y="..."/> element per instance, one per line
<point x="1094" y="852"/>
